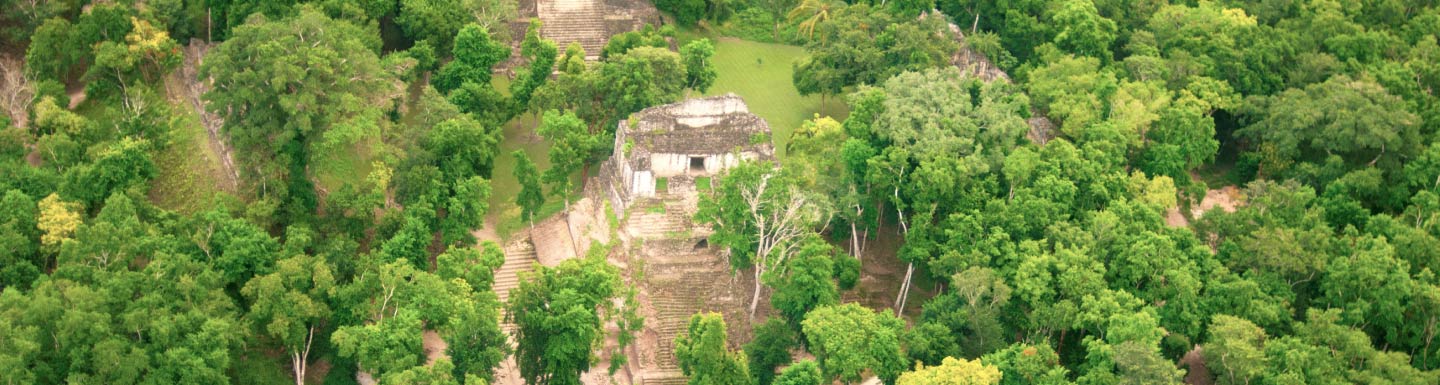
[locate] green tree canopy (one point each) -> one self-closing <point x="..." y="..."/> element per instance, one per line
<point x="704" y="356"/>
<point x="849" y="339"/>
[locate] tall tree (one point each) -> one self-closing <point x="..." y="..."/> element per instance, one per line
<point x="759" y="216"/>
<point x="699" y="71"/>
<point x="560" y="315"/>
<point x="806" y="281"/>
<point x="540" y="55"/>
<point x="952" y="371"/>
<point x="703" y="354"/>
<point x="438" y="21"/>
<point x="475" y="54"/>
<point x="850" y="339"/>
<point x="290" y="303"/>
<point x="570" y="147"/>
<point x="283" y="86"/>
<point x="531" y="197"/>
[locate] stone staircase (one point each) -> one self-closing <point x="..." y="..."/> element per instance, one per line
<point x="681" y="286"/>
<point x="575" y="21"/>
<point x="519" y="257"/>
<point x="665" y="378"/>
<point x="659" y="220"/>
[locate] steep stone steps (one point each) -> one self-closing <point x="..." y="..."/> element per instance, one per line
<point x="665" y="378"/>
<point x="519" y="258"/>
<point x="576" y="21"/>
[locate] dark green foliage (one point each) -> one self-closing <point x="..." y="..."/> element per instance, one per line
<point x="439" y="21"/>
<point x="540" y="56"/>
<point x="770" y="349"/>
<point x="570" y="150"/>
<point x="276" y="113"/>
<point x="531" y="197"/>
<point x="475" y="53"/>
<point x="686" y="12"/>
<point x="807" y="281"/>
<point x="703" y="354"/>
<point x="843" y="56"/>
<point x="560" y="313"/>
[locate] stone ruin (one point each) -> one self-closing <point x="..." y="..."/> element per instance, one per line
<point x="663" y="156"/>
<point x="590" y="23"/>
<point x="672" y="146"/>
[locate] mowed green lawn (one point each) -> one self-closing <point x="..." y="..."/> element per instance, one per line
<point x="761" y="74"/>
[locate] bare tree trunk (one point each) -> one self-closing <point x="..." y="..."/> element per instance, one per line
<point x="904" y="289"/>
<point x="854" y="241"/>
<point x="755" y="298"/>
<point x="299" y="358"/>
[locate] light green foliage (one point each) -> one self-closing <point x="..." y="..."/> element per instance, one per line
<point x="952" y="371"/>
<point x="647" y="36"/>
<point x="760" y="216"/>
<point x="389" y="345"/>
<point x="47" y="58"/>
<point x="1082" y="30"/>
<point x="1073" y="91"/>
<point x="849" y="340"/>
<point x="703" y="354"/>
<point x="805" y="372"/>
<point x="436" y="374"/>
<point x="474" y="340"/>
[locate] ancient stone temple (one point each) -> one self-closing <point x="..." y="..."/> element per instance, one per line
<point x="589" y="23"/>
<point x="664" y="160"/>
<point x="671" y="147"/>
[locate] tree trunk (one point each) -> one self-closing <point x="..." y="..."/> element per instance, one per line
<point x="854" y="241"/>
<point x="904" y="289"/>
<point x="755" y="298"/>
<point x="299" y="358"/>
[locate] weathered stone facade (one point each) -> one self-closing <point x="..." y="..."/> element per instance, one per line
<point x="670" y="146"/>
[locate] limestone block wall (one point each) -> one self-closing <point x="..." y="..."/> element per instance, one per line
<point x="668" y="165"/>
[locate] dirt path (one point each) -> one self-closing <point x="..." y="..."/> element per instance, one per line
<point x="191" y="89"/>
<point x="76" y="95"/>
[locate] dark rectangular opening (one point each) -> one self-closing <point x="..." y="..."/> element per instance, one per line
<point x="697" y="163"/>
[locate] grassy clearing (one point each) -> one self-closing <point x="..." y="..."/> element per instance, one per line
<point x="189" y="168"/>
<point x="761" y="74"/>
